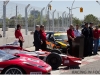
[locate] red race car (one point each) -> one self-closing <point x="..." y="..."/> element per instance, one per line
<point x="22" y="64"/>
<point x="53" y="59"/>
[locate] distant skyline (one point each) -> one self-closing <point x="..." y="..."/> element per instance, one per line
<point x="89" y="7"/>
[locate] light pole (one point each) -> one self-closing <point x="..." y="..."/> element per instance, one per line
<point x="4" y="17"/>
<point x="98" y="2"/>
<point x="71" y="11"/>
<point x="41" y="22"/>
<point x="70" y="14"/>
<point x="53" y="19"/>
<point x="48" y="14"/>
<point x="26" y="21"/>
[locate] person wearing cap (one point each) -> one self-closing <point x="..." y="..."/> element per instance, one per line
<point x="43" y="37"/>
<point x="37" y="38"/>
<point x="71" y="37"/>
<point x="19" y="35"/>
<point x="96" y="35"/>
<point x="85" y="33"/>
<point x="91" y="39"/>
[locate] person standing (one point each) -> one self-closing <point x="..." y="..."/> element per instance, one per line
<point x="77" y="32"/>
<point x="90" y="39"/>
<point x="71" y="37"/>
<point x="37" y="38"/>
<point x="96" y="34"/>
<point x="85" y="33"/>
<point x="43" y="37"/>
<point x="19" y="36"/>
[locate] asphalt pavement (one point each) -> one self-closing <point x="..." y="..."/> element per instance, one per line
<point x="92" y="68"/>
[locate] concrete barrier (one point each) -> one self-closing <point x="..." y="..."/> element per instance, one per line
<point x="28" y="40"/>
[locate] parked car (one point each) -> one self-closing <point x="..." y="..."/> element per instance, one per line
<point x="22" y="64"/>
<point x="57" y="41"/>
<point x="52" y="58"/>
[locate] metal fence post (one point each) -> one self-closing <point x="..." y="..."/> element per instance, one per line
<point x="58" y="21"/>
<point x="48" y="18"/>
<point x="65" y="21"/>
<point x="34" y="19"/>
<point x="26" y="21"/>
<point x="16" y="16"/>
<point x="53" y="19"/>
<point x="4" y="17"/>
<point x="63" y="18"/>
<point x="69" y="17"/>
<point x="41" y="21"/>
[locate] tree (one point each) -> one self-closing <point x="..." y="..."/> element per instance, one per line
<point x="7" y="21"/>
<point x="30" y="20"/>
<point x="20" y="19"/>
<point x="91" y="18"/>
<point x="76" y="21"/>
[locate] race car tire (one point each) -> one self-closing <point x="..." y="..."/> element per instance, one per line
<point x="56" y="51"/>
<point x="9" y="70"/>
<point x="54" y="60"/>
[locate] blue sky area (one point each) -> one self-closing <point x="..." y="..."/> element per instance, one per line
<point x="89" y="7"/>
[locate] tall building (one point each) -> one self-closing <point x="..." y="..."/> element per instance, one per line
<point x="35" y="13"/>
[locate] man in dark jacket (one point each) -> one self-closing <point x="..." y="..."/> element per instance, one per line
<point x="86" y="33"/>
<point x="37" y="38"/>
<point x="91" y="39"/>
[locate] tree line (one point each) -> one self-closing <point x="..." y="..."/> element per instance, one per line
<point x="31" y="20"/>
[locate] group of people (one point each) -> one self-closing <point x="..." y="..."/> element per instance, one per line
<point x="91" y="38"/>
<point x="40" y="38"/>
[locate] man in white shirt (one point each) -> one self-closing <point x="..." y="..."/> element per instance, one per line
<point x="77" y="32"/>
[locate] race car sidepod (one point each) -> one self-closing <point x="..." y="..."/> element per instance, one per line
<point x="71" y="61"/>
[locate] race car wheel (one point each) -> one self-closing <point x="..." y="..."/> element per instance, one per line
<point x="54" y="60"/>
<point x="13" y="70"/>
<point x="56" y="51"/>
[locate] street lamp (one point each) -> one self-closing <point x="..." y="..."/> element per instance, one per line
<point x="41" y="22"/>
<point x="26" y="21"/>
<point x="48" y="14"/>
<point x="70" y="13"/>
<point x="4" y="17"/>
<point x="98" y="2"/>
<point x="71" y="10"/>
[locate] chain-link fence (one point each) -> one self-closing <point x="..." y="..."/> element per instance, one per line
<point x="29" y="16"/>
